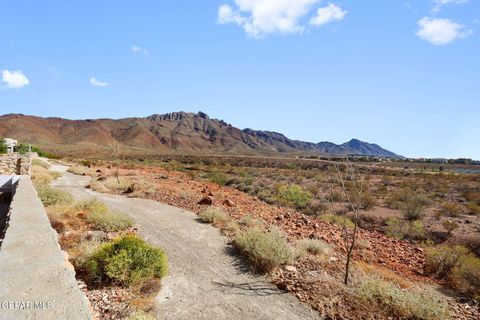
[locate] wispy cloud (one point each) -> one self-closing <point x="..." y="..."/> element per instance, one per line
<point x="261" y="17"/>
<point x="439" y="4"/>
<point x="96" y="83"/>
<point x="328" y="14"/>
<point x="139" y="50"/>
<point x="14" y="79"/>
<point x="440" y="31"/>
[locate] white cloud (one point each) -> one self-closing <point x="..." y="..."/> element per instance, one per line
<point x="136" y="50"/>
<point x="440" y="31"/>
<point x="261" y="17"/>
<point x="327" y="15"/>
<point x="94" y="82"/>
<point x="438" y="4"/>
<point x="14" y="79"/>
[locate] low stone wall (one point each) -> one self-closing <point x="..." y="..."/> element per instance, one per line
<point x="37" y="280"/>
<point x="15" y="164"/>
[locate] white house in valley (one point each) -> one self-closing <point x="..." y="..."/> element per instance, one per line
<point x="11" y="144"/>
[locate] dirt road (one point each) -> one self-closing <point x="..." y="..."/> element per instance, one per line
<point x="206" y="280"/>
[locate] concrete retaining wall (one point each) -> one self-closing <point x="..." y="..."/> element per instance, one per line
<point x="36" y="279"/>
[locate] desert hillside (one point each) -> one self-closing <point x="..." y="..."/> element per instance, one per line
<point x="173" y="132"/>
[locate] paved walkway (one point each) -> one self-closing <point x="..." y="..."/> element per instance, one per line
<point x="206" y="280"/>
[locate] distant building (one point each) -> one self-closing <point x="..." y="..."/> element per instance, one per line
<point x="11" y="144"/>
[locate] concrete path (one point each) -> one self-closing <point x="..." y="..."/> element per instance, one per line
<point x="206" y="280"/>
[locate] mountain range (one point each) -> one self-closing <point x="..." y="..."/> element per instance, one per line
<point x="176" y="132"/>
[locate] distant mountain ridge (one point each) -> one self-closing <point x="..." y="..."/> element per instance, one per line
<point x="162" y="133"/>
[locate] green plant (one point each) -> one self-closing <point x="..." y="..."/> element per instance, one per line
<point x="3" y="146"/>
<point x="465" y="276"/>
<point x="408" y="304"/>
<point x="110" y="221"/>
<point x="293" y="195"/>
<point x="50" y="196"/>
<point x="400" y="229"/>
<point x="439" y="261"/>
<point x="128" y="260"/>
<point x="265" y="250"/>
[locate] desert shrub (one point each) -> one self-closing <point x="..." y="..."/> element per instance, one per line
<point x="140" y="315"/>
<point x="219" y="178"/>
<point x="293" y="195"/>
<point x="451" y="209"/>
<point x="465" y="276"/>
<point x="473" y="208"/>
<point x="40" y="177"/>
<point x="110" y="221"/>
<point x="315" y="207"/>
<point x="98" y="186"/>
<point x="472" y="196"/>
<point x="250" y="221"/>
<point x="214" y="216"/>
<point x="85" y="250"/>
<point x="456" y="264"/>
<point x="411" y="203"/>
<point x="119" y="185"/>
<point x="92" y="205"/>
<point x="265" y="250"/>
<point x="337" y="219"/>
<point x="78" y="170"/>
<point x="406" y="303"/>
<point x="51" y="196"/>
<point x="450" y="226"/>
<point x="40" y="163"/>
<point x="439" y="261"/>
<point x="128" y="260"/>
<point x="400" y="229"/>
<point x="311" y="246"/>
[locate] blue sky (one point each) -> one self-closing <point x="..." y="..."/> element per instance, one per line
<point x="405" y="75"/>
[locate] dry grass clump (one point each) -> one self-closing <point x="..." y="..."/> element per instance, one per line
<point x="406" y="303"/>
<point x="265" y="250"/>
<point x="51" y="196"/>
<point x="337" y="219"/>
<point x="78" y="170"/>
<point x="451" y="209"/>
<point x="140" y="315"/>
<point x="110" y="221"/>
<point x="213" y="215"/>
<point x="40" y="163"/>
<point x="311" y="246"/>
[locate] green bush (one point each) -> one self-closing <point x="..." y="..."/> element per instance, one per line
<point x="465" y="276"/>
<point x="293" y="195"/>
<point x="400" y="229"/>
<point x="265" y="250"/>
<point x="451" y="209"/>
<point x="110" y="221"/>
<point x="51" y="196"/>
<point x="408" y="304"/>
<point x="128" y="260"/>
<point x="439" y="261"/>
